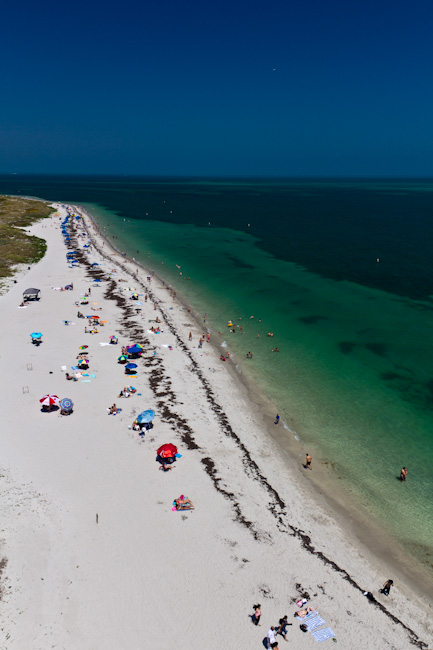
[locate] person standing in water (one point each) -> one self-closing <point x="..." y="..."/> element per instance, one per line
<point x="403" y="474"/>
<point x="277" y="419"/>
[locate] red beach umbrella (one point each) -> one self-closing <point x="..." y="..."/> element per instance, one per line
<point x="49" y="400"/>
<point x="167" y="451"/>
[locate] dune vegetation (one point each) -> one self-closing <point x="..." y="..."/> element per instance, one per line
<point x="16" y="246"/>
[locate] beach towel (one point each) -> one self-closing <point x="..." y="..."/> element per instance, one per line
<point x="93" y="376"/>
<point x="86" y="381"/>
<point x="314" y="623"/>
<point x="322" y="635"/>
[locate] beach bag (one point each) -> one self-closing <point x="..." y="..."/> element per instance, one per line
<point x="303" y="627"/>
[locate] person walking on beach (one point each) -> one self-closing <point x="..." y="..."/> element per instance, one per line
<point x="257" y="614"/>
<point x="386" y="587"/>
<point x="271" y="636"/>
<point x="190" y="336"/>
<point x="277" y="419"/>
<point x="308" y="462"/>
<point x="403" y="474"/>
<point x="283" y="627"/>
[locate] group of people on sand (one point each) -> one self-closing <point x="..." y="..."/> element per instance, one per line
<point x="127" y="391"/>
<point x="274" y="630"/>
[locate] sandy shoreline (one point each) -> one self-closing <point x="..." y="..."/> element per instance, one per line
<point x="145" y="576"/>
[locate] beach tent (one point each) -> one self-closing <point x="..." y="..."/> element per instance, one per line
<point x="31" y="294"/>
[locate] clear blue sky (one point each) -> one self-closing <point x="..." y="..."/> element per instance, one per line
<point x="312" y="87"/>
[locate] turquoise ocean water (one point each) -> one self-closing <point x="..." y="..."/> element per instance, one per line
<point x="341" y="272"/>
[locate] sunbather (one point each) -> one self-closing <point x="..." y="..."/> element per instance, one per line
<point x="302" y="613"/>
<point x="70" y="378"/>
<point x="183" y="503"/>
<point x="113" y="410"/>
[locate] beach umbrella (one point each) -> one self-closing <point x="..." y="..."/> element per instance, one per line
<point x="122" y="358"/>
<point x="167" y="451"/>
<point x="36" y="335"/>
<point x="134" y="349"/>
<point x="94" y="264"/>
<point x="130" y="366"/>
<point x="145" y="416"/>
<point x="49" y="400"/>
<point x="66" y="404"/>
<point x="97" y="280"/>
<point x="83" y="347"/>
<point x="113" y="337"/>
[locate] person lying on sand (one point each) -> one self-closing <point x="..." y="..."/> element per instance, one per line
<point x="183" y="503"/>
<point x="69" y="378"/>
<point x="302" y="613"/>
<point x="113" y="410"/>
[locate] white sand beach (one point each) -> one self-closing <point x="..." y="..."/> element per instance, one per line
<point x="95" y="558"/>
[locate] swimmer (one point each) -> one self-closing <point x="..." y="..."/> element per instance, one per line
<point x="275" y="350"/>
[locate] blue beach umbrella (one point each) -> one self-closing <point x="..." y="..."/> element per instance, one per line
<point x="36" y="335"/>
<point x="66" y="404"/>
<point x="146" y="416"/>
<point x="135" y="349"/>
<point x="131" y="366"/>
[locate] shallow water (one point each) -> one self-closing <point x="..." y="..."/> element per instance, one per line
<point x="354" y="375"/>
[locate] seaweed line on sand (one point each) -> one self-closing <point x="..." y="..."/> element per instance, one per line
<point x="3" y="563"/>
